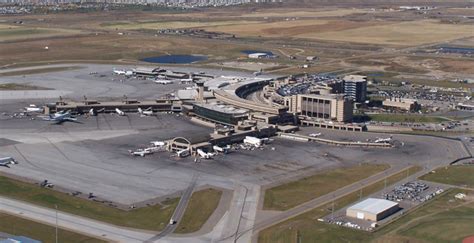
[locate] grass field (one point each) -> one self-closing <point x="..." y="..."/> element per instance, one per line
<point x="13" y="86"/>
<point x="38" y="71"/>
<point x="406" y="118"/>
<point x="10" y="32"/>
<point x="458" y="175"/>
<point x="289" y="195"/>
<point x="18" y="226"/>
<point x="201" y="205"/>
<point x="291" y="13"/>
<point x="399" y="33"/>
<point x="174" y="24"/>
<point x="305" y="227"/>
<point x="286" y="29"/>
<point x="150" y="218"/>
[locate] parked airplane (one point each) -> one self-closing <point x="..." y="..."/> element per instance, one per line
<point x="315" y="134"/>
<point x="163" y="81"/>
<point x="205" y="155"/>
<point x="158" y="143"/>
<point x="122" y="72"/>
<point x="33" y="108"/>
<point x="383" y="140"/>
<point x="186" y="80"/>
<point x="7" y="161"/>
<point x="258" y="73"/>
<point x="119" y="112"/>
<point x="183" y="153"/>
<point x="147" y="112"/>
<point x="141" y="152"/>
<point x="224" y="150"/>
<point x="119" y="72"/>
<point x="93" y="112"/>
<point x="60" y="117"/>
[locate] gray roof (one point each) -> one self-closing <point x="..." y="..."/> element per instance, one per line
<point x="373" y="205"/>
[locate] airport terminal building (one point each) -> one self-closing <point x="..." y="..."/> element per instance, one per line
<point x="327" y="107"/>
<point x="220" y="113"/>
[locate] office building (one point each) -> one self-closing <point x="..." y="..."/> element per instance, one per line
<point x="355" y="87"/>
<point x="328" y="107"/>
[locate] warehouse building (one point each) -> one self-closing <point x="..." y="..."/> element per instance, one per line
<point x="328" y="107"/>
<point x="372" y="209"/>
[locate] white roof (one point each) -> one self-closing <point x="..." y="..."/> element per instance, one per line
<point x="258" y="54"/>
<point x="355" y="78"/>
<point x="373" y="205"/>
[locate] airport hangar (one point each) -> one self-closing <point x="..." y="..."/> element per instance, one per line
<point x="372" y="209"/>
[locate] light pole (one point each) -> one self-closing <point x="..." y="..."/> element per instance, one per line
<point x="56" y="207"/>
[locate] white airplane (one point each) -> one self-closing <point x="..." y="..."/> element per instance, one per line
<point x="119" y="72"/>
<point x="141" y="152"/>
<point x="315" y="134"/>
<point x="93" y="112"/>
<point x="224" y="150"/>
<point x="7" y="161"/>
<point x="183" y="153"/>
<point x="60" y="117"/>
<point x="258" y="73"/>
<point x="147" y="112"/>
<point x="158" y="143"/>
<point x="163" y="81"/>
<point x="205" y="155"/>
<point x="383" y="140"/>
<point x="33" y="108"/>
<point x="186" y="80"/>
<point x="119" y="112"/>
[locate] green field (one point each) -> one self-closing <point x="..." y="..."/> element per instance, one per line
<point x="38" y="71"/>
<point x="406" y="118"/>
<point x="458" y="175"/>
<point x="151" y="218"/>
<point x="289" y="195"/>
<point x="13" y="86"/>
<point x="201" y="205"/>
<point x="305" y="227"/>
<point x="21" y="227"/>
<point x="13" y="32"/>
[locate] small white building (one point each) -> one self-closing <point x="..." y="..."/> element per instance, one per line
<point x="372" y="209"/>
<point x="258" y="55"/>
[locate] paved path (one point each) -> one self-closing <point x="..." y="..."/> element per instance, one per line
<point x="178" y="212"/>
<point x="242" y="214"/>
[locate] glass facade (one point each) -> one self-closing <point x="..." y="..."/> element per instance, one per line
<point x="218" y="116"/>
